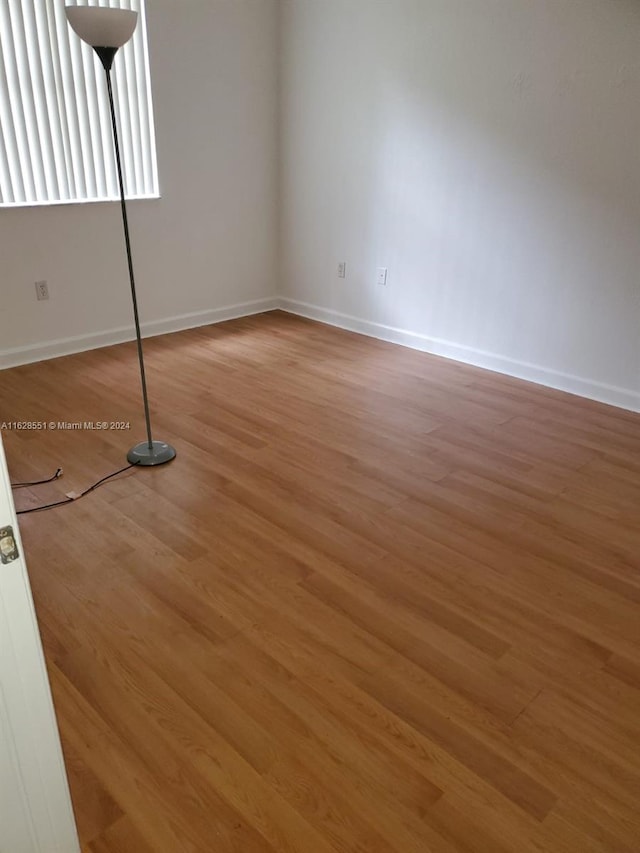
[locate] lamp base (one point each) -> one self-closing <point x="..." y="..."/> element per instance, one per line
<point x="160" y="453"/>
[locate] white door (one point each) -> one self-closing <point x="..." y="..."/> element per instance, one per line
<point x="35" y="807"/>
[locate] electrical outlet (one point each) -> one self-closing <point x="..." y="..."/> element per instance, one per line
<point x="42" y="291"/>
<point x="342" y="269"/>
<point x="382" y="275"/>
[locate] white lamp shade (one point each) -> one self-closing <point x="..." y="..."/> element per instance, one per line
<point x="100" y="26"/>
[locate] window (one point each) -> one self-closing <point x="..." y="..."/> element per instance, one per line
<point x="55" y="129"/>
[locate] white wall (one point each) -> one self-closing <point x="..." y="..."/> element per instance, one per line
<point x="209" y="242"/>
<point x="488" y="153"/>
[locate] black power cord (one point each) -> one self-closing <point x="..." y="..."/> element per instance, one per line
<point x="69" y="500"/>
<point x="38" y="482"/>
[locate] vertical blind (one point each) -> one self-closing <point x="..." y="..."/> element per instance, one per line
<point x="55" y="128"/>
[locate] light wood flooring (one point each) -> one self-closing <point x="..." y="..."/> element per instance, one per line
<point x="380" y="603"/>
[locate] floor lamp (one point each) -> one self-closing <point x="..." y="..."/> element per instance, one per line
<point x="106" y="30"/>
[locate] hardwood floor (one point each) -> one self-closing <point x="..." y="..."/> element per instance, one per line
<point x="380" y="602"/>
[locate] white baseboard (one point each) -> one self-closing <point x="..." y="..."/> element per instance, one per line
<point x="614" y="396"/>
<point x="621" y="397"/>
<point x="80" y="343"/>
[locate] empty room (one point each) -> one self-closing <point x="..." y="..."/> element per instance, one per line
<point x="319" y="426"/>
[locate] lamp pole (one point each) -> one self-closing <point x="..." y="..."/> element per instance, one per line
<point x="106" y="30"/>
